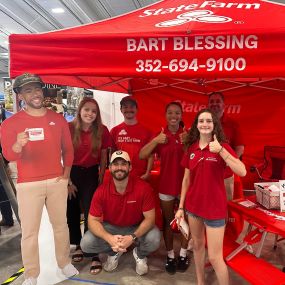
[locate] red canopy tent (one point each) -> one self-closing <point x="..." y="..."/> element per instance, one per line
<point x="175" y="50"/>
<point x="172" y="38"/>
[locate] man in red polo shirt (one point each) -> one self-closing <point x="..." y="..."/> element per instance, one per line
<point x="233" y="134"/>
<point x="121" y="214"/>
<point x="131" y="136"/>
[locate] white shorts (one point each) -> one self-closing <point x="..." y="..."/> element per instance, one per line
<point x="165" y="197"/>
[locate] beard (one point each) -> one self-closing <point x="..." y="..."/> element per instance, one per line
<point x="120" y="175"/>
<point x="35" y="106"/>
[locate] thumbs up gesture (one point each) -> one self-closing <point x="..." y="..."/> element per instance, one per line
<point x="214" y="145"/>
<point x="161" y="138"/>
<point x="183" y="135"/>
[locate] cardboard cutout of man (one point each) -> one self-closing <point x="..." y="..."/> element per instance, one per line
<point x="38" y="140"/>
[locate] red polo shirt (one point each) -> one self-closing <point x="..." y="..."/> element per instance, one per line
<point x="83" y="155"/>
<point x="131" y="138"/>
<point x="122" y="210"/>
<point x="232" y="131"/>
<point x="206" y="196"/>
<point x="233" y="134"/>
<point x="171" y="170"/>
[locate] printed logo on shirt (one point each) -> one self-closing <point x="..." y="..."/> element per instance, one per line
<point x="132" y="201"/>
<point x="212" y="159"/>
<point x="51" y="123"/>
<point x="128" y="140"/>
<point x="192" y="155"/>
<point x="123" y="132"/>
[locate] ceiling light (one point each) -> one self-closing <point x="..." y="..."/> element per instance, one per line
<point x="57" y="10"/>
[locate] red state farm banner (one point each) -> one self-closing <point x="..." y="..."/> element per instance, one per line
<point x="260" y="114"/>
<point x="172" y="38"/>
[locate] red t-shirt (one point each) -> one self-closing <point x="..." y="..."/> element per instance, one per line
<point x="171" y="170"/>
<point x="41" y="159"/>
<point x="122" y="210"/>
<point x="232" y="131"/>
<point x="131" y="138"/>
<point x="83" y="153"/>
<point x="233" y="134"/>
<point x="206" y="196"/>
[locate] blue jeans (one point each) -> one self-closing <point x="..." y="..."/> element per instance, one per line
<point x="5" y="207"/>
<point x="91" y="244"/>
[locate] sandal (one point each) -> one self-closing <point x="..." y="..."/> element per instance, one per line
<point x="78" y="255"/>
<point x="170" y="265"/>
<point x="182" y="263"/>
<point x="96" y="265"/>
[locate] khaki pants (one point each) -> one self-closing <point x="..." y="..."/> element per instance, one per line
<point x="229" y="185"/>
<point x="32" y="196"/>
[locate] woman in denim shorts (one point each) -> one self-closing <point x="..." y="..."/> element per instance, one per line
<point x="203" y="195"/>
<point x="167" y="144"/>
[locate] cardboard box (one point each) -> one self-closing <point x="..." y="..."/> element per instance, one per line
<point x="266" y="197"/>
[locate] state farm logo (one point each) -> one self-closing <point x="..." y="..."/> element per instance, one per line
<point x="123" y="132"/>
<point x="203" y="16"/>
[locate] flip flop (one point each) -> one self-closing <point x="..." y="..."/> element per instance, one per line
<point x="78" y="255"/>
<point x="97" y="267"/>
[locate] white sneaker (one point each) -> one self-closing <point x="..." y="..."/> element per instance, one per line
<point x="69" y="270"/>
<point x="30" y="281"/>
<point x="190" y="244"/>
<point x="112" y="262"/>
<point x="141" y="264"/>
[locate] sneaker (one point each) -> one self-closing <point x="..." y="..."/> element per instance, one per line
<point x="69" y="270"/>
<point x="182" y="263"/>
<point x="112" y="262"/>
<point x="141" y="263"/>
<point x="170" y="265"/>
<point x="30" y="281"/>
<point x="190" y="244"/>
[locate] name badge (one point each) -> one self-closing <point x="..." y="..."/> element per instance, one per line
<point x="35" y="134"/>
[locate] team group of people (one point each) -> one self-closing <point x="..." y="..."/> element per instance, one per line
<point x="119" y="206"/>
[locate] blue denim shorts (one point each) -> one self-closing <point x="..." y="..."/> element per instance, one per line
<point x="210" y="223"/>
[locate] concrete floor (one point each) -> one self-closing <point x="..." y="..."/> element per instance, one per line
<point x="10" y="263"/>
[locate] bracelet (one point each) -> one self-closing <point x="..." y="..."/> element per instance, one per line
<point x="70" y="183"/>
<point x="181" y="209"/>
<point x="220" y="150"/>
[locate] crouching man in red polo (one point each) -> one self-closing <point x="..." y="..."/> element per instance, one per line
<point x="122" y="213"/>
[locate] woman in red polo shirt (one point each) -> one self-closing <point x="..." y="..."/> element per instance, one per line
<point x="203" y="194"/>
<point x="90" y="141"/>
<point x="167" y="144"/>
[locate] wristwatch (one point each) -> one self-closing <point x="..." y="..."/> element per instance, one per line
<point x="134" y="237"/>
